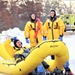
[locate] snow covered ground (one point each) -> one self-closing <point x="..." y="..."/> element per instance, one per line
<point x="68" y="39"/>
<point x="70" y="42"/>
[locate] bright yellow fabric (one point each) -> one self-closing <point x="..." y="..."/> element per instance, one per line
<point x="54" y="30"/>
<point x="3" y="53"/>
<point x="20" y="51"/>
<point x="9" y="48"/>
<point x="29" y="32"/>
<point x="37" y="55"/>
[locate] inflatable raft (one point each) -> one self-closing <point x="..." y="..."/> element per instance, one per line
<point x="37" y="55"/>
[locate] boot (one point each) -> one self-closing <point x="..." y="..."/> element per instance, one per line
<point x="45" y="65"/>
<point x="70" y="73"/>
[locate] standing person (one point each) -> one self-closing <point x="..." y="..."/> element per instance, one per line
<point x="33" y="31"/>
<point x="53" y="27"/>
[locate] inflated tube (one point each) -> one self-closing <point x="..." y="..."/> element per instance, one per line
<point x="38" y="54"/>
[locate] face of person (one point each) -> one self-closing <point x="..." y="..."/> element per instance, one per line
<point x="33" y="16"/>
<point x="19" y="44"/>
<point x="52" y="14"/>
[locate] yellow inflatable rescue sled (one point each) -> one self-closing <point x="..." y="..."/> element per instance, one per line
<point x="37" y="55"/>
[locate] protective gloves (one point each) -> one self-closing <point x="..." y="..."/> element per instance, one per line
<point x="40" y="68"/>
<point x="27" y="40"/>
<point x="13" y="39"/>
<point x="66" y="65"/>
<point x="26" y="50"/>
<point x="61" y="37"/>
<point x="44" y="38"/>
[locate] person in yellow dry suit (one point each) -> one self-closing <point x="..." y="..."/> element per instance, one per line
<point x="53" y="27"/>
<point x="33" y="30"/>
<point x="13" y="49"/>
<point x="19" y="52"/>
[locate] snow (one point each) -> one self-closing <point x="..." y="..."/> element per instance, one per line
<point x="69" y="40"/>
<point x="15" y="32"/>
<point x="70" y="43"/>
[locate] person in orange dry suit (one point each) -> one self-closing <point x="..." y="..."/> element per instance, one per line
<point x="33" y="31"/>
<point x="53" y="27"/>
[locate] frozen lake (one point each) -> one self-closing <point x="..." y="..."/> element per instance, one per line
<point x="70" y="42"/>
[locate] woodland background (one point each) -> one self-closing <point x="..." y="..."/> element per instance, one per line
<point x="15" y="13"/>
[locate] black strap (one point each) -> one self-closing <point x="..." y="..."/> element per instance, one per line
<point x="52" y="31"/>
<point x="34" y="30"/>
<point x="19" y="56"/>
<point x="49" y="25"/>
<point x="32" y="27"/>
<point x="17" y="49"/>
<point x="46" y="66"/>
<point x="55" y="27"/>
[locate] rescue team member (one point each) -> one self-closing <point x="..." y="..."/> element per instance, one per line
<point x="53" y="27"/>
<point x="19" y="52"/>
<point x="67" y="69"/>
<point x="33" y="31"/>
<point x="13" y="49"/>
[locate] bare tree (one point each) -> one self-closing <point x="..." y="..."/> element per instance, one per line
<point x="17" y="13"/>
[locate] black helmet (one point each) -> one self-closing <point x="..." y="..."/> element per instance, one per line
<point x="54" y="12"/>
<point x="15" y="43"/>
